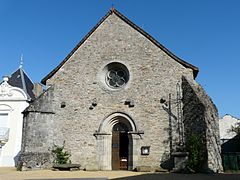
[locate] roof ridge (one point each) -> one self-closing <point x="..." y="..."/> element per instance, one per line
<point x="27" y="75"/>
<point x="140" y="30"/>
<point x="230" y="115"/>
<point x="24" y="73"/>
<point x="153" y="40"/>
<point x="43" y="81"/>
<point x="23" y="82"/>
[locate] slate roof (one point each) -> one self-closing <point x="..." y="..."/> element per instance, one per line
<point x="20" y="79"/>
<point x="140" y="30"/>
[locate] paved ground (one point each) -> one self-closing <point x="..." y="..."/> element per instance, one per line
<point x="12" y="174"/>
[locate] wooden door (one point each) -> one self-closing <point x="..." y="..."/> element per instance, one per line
<point x="119" y="150"/>
<point x="123" y="150"/>
<point x="115" y="150"/>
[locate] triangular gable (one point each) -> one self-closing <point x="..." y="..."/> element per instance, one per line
<point x="125" y="19"/>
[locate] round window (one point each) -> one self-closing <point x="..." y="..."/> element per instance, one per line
<point x="117" y="75"/>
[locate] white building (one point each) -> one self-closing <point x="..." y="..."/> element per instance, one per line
<point x="225" y="125"/>
<point x="15" y="93"/>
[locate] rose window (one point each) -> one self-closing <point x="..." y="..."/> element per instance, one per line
<point x="116" y="78"/>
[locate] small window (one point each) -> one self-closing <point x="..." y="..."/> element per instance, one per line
<point x="3" y="120"/>
<point x="145" y="150"/>
<point x="116" y="78"/>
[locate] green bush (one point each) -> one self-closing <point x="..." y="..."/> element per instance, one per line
<point x="195" y="147"/>
<point x="61" y="156"/>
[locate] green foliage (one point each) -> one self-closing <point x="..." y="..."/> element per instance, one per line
<point x="61" y="156"/>
<point x="19" y="167"/>
<point x="195" y="147"/>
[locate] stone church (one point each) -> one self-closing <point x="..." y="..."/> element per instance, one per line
<point x="120" y="100"/>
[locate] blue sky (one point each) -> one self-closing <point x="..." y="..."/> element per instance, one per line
<point x="205" y="33"/>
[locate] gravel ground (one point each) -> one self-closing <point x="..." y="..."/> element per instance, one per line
<point x="12" y="174"/>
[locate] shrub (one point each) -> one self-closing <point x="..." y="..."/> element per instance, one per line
<point x="61" y="156"/>
<point x="195" y="147"/>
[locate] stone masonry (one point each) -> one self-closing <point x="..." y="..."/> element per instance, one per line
<point x="201" y="117"/>
<point x="81" y="109"/>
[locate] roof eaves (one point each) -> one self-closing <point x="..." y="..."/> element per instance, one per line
<point x="125" y="19"/>
<point x="43" y="81"/>
<point x="37" y="98"/>
<point x="154" y="41"/>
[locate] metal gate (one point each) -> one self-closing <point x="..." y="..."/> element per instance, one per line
<point x="231" y="161"/>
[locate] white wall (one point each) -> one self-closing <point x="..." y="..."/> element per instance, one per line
<point x="225" y="125"/>
<point x="12" y="102"/>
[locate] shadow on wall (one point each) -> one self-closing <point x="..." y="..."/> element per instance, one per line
<point x="194" y="118"/>
<point x="231" y="154"/>
<point x="232" y="145"/>
<point x="168" y="163"/>
<point x="167" y="160"/>
<point x="17" y="159"/>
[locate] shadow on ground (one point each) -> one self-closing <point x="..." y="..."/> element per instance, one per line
<point x="173" y="176"/>
<point x="170" y="176"/>
<point x="71" y="179"/>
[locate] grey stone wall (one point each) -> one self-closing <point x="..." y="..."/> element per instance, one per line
<point x="38" y="132"/>
<point x="153" y="75"/>
<point x="201" y="117"/>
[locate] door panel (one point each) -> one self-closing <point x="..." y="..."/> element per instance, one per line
<point x="123" y="151"/>
<point x="115" y="151"/>
<point x="119" y="151"/>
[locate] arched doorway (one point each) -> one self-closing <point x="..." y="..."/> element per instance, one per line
<point x="120" y="147"/>
<point x="116" y="144"/>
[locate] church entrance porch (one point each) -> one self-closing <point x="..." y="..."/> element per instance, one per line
<point x="116" y="142"/>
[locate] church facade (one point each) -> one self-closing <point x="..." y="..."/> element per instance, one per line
<point x="120" y="100"/>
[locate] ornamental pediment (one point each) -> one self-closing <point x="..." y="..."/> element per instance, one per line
<point x="8" y="92"/>
<point x="5" y="88"/>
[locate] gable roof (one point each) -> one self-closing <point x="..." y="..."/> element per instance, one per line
<point x="126" y="20"/>
<point x="20" y="79"/>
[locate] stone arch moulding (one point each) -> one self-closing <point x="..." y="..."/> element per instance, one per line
<point x="104" y="140"/>
<point x="109" y="121"/>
